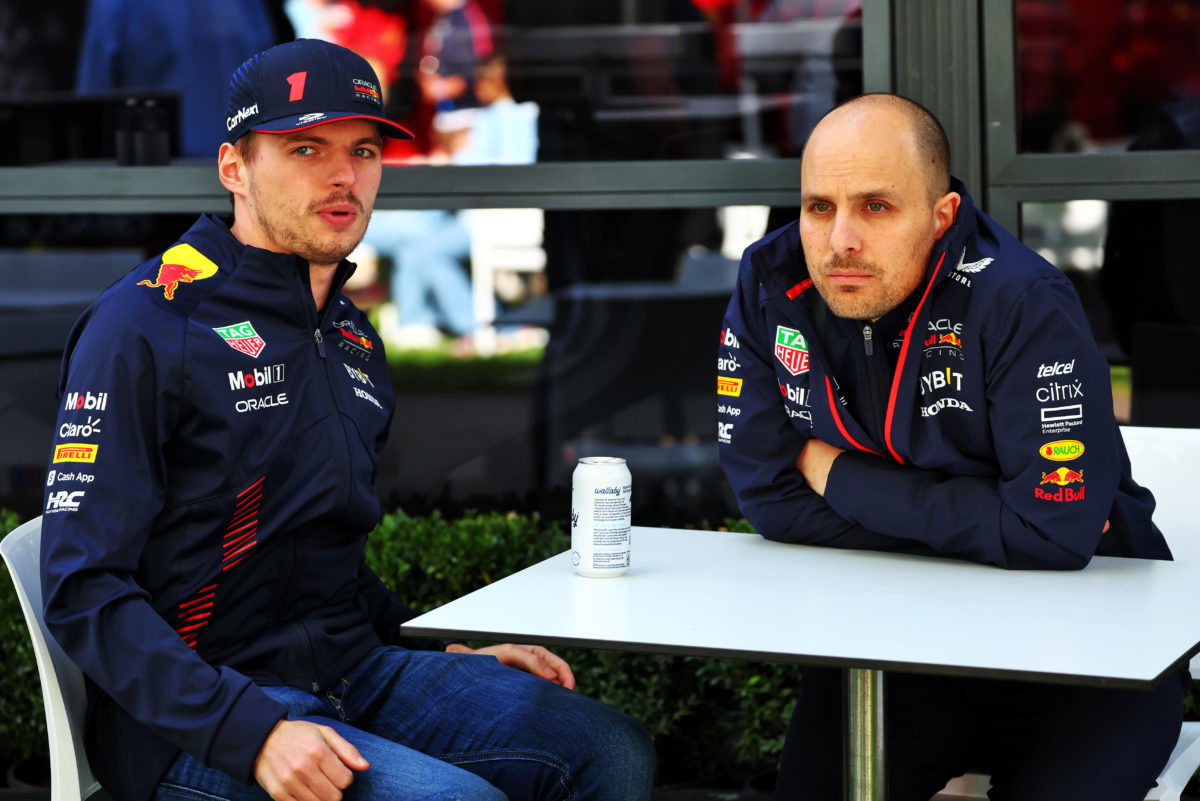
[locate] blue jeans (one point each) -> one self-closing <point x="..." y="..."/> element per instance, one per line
<point x="429" y="283"/>
<point x="456" y="726"/>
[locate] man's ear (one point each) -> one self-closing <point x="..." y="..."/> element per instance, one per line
<point x="231" y="168"/>
<point x="945" y="210"/>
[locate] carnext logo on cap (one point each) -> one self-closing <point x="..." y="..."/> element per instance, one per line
<point x="237" y="119"/>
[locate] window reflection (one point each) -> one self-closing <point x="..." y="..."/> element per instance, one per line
<point x="1130" y="262"/>
<point x="1108" y="75"/>
<point x="672" y="80"/>
<point x="599" y="337"/>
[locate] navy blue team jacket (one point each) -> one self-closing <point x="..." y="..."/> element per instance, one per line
<point x="997" y="443"/>
<point x="208" y="501"/>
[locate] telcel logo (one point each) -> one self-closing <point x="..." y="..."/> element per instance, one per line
<point x="1058" y="368"/>
<point x="1062" y="450"/>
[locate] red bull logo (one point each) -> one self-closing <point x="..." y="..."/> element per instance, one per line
<point x="181" y="264"/>
<point x="949" y="339"/>
<point x="1062" y="476"/>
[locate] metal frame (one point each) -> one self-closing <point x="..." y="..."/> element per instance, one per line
<point x="193" y="187"/>
<point x="1016" y="178"/>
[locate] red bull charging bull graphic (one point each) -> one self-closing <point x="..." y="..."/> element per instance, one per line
<point x="181" y="264"/>
<point x="1061" y="477"/>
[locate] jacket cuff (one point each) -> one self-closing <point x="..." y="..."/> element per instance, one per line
<point x="243" y="732"/>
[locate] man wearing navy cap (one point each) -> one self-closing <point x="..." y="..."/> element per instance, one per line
<point x="222" y="411"/>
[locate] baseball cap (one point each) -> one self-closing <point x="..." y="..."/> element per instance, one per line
<point x="302" y="84"/>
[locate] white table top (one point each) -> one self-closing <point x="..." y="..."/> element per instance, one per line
<point x="1120" y="622"/>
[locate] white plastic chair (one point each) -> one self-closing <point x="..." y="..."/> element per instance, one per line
<point x="501" y="239"/>
<point x="1162" y="460"/>
<point x="63" y="692"/>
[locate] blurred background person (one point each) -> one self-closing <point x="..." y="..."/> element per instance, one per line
<point x="184" y="46"/>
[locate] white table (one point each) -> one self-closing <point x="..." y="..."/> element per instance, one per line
<point x="1119" y="623"/>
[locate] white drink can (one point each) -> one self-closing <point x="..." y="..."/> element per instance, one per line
<point x="601" y="488"/>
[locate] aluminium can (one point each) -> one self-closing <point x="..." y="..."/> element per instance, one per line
<point x="601" y="489"/>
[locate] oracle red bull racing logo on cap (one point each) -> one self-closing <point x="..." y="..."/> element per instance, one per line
<point x="181" y="264"/>
<point x="791" y="349"/>
<point x="242" y="337"/>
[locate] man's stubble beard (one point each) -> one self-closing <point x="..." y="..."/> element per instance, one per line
<point x="307" y="248"/>
<point x="851" y="302"/>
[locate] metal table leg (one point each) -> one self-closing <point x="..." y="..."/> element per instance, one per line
<point x="864" y="735"/>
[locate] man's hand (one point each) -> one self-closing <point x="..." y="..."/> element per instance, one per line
<point x="531" y="658"/>
<point x="301" y="761"/>
<point x="815" y="461"/>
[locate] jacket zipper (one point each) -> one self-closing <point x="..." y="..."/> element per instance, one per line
<point x="321" y="320"/>
<point x="867" y="347"/>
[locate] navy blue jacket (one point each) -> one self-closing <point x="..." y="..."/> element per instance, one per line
<point x="994" y="438"/>
<point x="208" y="501"/>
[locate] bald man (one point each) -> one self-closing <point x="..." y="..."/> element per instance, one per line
<point x="899" y="373"/>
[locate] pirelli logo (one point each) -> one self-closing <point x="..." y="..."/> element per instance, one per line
<point x="75" y="452"/>
<point x="729" y="386"/>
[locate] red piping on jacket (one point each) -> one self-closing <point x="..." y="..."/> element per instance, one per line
<point x="837" y="418"/>
<point x="891" y="409"/>
<point x="798" y="288"/>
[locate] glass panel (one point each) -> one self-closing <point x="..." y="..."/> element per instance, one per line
<point x="1131" y="261"/>
<point x="602" y="81"/>
<point x="540" y="337"/>
<point x="1110" y="76"/>
<point x="478" y="81"/>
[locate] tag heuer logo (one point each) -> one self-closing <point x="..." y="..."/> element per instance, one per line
<point x="243" y="337"/>
<point x="791" y="350"/>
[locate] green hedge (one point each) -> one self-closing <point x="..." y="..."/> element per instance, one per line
<point x="706" y="715"/>
<point x="22" y="718"/>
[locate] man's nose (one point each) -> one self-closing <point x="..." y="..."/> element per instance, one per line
<point x="341" y="170"/>
<point x="845" y="237"/>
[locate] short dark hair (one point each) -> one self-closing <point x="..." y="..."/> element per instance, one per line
<point x="932" y="143"/>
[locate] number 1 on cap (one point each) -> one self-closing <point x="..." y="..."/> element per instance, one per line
<point x="296" y="81"/>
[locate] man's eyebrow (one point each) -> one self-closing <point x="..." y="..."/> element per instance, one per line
<point x="305" y="136"/>
<point x="869" y="194"/>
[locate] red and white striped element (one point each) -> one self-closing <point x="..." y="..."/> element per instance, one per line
<point x="241" y="534"/>
<point x="194" y="613"/>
